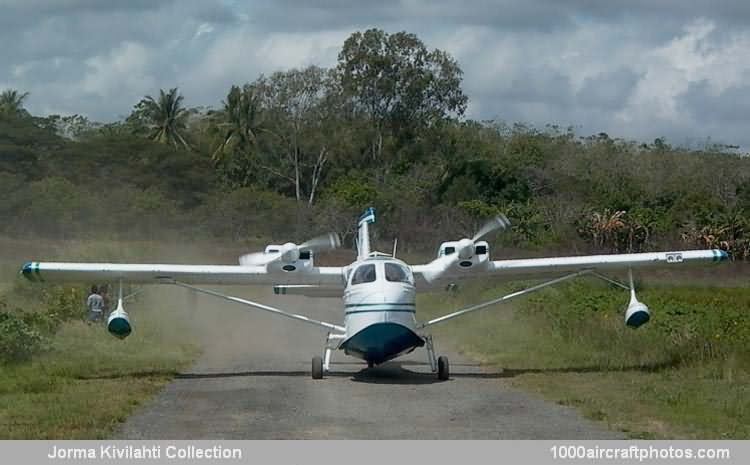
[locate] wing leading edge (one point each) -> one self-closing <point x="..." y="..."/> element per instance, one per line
<point x="191" y="274"/>
<point x="437" y="272"/>
<point x="446" y="269"/>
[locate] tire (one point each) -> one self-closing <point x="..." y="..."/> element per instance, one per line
<point x="317" y="367"/>
<point x="444" y="372"/>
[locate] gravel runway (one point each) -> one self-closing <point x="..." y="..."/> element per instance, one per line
<point x="253" y="382"/>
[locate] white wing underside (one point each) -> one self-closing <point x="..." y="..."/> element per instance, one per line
<point x="436" y="273"/>
<point x="191" y="274"/>
<point x="446" y="269"/>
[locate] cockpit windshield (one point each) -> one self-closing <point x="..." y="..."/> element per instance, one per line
<point x="396" y="273"/>
<point x="364" y="274"/>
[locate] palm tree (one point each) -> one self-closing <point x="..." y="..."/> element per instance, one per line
<point x="239" y="122"/>
<point x="164" y="117"/>
<point x="11" y="102"/>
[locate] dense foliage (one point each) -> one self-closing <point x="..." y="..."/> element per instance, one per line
<point x="303" y="150"/>
<point x="23" y="333"/>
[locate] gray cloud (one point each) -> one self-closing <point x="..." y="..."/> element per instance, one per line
<point x="635" y="68"/>
<point x="609" y="90"/>
<point x="699" y="101"/>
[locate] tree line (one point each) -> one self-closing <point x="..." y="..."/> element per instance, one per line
<point x="303" y="150"/>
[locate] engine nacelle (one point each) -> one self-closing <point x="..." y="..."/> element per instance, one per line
<point x="118" y="323"/>
<point x="469" y="254"/>
<point x="286" y="257"/>
<point x="289" y="257"/>
<point x="637" y="313"/>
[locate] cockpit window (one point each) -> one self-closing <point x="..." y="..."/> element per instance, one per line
<point x="364" y="274"/>
<point x="396" y="273"/>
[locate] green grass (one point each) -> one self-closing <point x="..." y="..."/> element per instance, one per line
<point x="686" y="374"/>
<point x="86" y="382"/>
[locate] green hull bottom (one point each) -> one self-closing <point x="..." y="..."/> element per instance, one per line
<point x="381" y="342"/>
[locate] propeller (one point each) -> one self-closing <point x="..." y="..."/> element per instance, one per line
<point x="322" y="243"/>
<point x="465" y="249"/>
<point x="290" y="252"/>
<point x="498" y="222"/>
<point x="466" y="246"/>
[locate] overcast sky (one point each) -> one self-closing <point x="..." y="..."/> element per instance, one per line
<point x="638" y="69"/>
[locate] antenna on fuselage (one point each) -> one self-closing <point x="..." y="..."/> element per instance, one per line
<point x="395" y="244"/>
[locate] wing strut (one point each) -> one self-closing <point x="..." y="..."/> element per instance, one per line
<point x="614" y="282"/>
<point x="260" y="306"/>
<point x="504" y="298"/>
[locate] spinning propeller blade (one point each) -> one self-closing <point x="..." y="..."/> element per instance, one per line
<point x="256" y="259"/>
<point x="320" y="243"/>
<point x="499" y="222"/>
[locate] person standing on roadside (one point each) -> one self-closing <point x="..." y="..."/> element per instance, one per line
<point x="95" y="305"/>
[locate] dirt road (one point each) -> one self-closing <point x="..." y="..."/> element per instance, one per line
<point x="253" y="382"/>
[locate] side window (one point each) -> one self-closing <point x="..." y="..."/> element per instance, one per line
<point x="364" y="274"/>
<point x="396" y="273"/>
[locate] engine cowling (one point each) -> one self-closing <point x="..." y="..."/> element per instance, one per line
<point x="118" y="323"/>
<point x="466" y="253"/>
<point x="637" y="314"/>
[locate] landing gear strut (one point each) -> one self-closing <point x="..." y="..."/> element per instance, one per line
<point x="321" y="366"/>
<point x="437" y="364"/>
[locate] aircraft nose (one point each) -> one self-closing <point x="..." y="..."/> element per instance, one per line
<point x="723" y="256"/>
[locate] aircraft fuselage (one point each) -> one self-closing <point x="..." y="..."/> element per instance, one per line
<point x="380" y="307"/>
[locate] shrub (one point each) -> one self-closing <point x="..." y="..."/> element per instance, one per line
<point x="65" y="303"/>
<point x="18" y="340"/>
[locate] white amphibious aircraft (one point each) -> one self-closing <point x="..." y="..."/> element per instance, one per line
<point x="379" y="291"/>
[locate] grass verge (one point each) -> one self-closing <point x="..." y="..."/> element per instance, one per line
<point x="84" y="383"/>
<point x="87" y="382"/>
<point x="685" y="375"/>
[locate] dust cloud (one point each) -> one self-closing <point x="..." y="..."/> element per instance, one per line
<point x="229" y="334"/>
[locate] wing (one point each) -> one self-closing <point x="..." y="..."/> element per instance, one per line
<point x="329" y="277"/>
<point x="450" y="268"/>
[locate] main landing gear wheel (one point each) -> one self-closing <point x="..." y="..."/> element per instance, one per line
<point x="444" y="371"/>
<point x="317" y="367"/>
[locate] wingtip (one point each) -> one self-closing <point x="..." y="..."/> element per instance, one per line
<point x="27" y="271"/>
